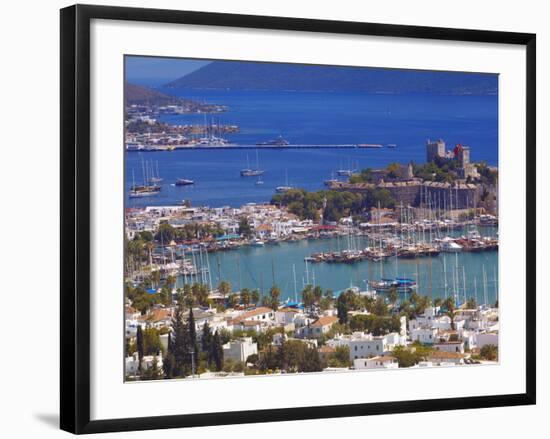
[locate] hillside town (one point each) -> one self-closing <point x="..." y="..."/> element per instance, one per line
<point x="182" y="322"/>
<point x="356" y="331"/>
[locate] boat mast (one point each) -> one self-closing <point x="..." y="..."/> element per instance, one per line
<point x="295" y="286"/>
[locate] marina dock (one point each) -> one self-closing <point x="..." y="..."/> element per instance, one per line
<point x="160" y="148"/>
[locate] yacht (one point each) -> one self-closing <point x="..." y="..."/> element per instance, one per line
<point x="279" y="141"/>
<point x="184" y="182"/>
<point x="449" y="246"/>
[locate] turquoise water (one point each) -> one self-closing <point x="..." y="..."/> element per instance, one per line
<point x="261" y="267"/>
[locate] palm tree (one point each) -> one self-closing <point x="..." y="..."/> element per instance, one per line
<point x="170" y="281"/>
<point x="393" y="296"/>
<point x="155" y="278"/>
<point x="150" y="246"/>
<point x="233" y="300"/>
<point x="449" y="305"/>
<point x="202" y="295"/>
<point x="255" y="296"/>
<point x="275" y="293"/>
<point x="224" y="288"/>
<point x="245" y="297"/>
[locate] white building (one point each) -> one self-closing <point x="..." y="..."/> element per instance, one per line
<point x="240" y="350"/>
<point x="367" y="345"/>
<point x="380" y="362"/>
<point x="450" y="346"/>
<point x="132" y="362"/>
<point x="486" y="338"/>
<point x="430" y="319"/>
<point x="424" y="335"/>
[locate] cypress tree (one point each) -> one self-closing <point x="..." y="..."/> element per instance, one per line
<point x="217" y="352"/>
<point x="192" y="332"/>
<point x="168" y="362"/>
<point x="179" y="344"/>
<point x="140" y="346"/>
<point x="342" y="309"/>
<point x="206" y="341"/>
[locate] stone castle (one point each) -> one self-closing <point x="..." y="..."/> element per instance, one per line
<point x="410" y="191"/>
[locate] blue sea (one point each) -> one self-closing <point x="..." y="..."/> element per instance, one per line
<point x="324" y="118"/>
<point x="313" y="118"/>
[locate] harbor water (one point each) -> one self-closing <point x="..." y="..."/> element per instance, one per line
<point x="466" y="274"/>
<point x="312" y="118"/>
<point x="323" y="118"/>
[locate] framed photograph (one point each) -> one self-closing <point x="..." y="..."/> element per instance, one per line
<point x="272" y="218"/>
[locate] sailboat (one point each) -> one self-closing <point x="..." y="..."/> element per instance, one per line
<point x="286" y="187"/>
<point x="155" y="178"/>
<point x="347" y="172"/>
<point x="331" y="180"/>
<point x="250" y="172"/>
<point x="145" y="190"/>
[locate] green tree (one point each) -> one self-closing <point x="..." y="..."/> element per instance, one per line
<point x="489" y="352"/>
<point x="224" y="288"/>
<point x="471" y="303"/>
<point x="342" y="308"/>
<point x="206" y="341"/>
<point x="255" y="296"/>
<point x="393" y="170"/>
<point x="180" y="342"/>
<point x="217" y="352"/>
<point x="450" y="307"/>
<point x="165" y="233"/>
<point x="244" y="227"/>
<point x="151" y="344"/>
<point x="275" y="294"/>
<point x="169" y="361"/>
<point x="245" y="297"/>
<point x="140" y="346"/>
<point x="192" y="330"/>
<point x="153" y="372"/>
<point x="393" y="296"/>
<point x="308" y="298"/>
<point x="233" y="300"/>
<point x="340" y="358"/>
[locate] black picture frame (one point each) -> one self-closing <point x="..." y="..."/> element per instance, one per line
<point x="75" y="217"/>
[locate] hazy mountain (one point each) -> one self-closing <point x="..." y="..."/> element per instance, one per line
<point x="274" y="76"/>
<point x="140" y="95"/>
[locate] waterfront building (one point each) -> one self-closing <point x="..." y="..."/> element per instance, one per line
<point x="379" y="362"/>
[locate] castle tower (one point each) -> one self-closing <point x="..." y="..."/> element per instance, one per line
<point x="410" y="171"/>
<point x="434" y="149"/>
<point x="464" y="156"/>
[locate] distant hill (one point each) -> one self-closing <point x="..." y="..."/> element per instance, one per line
<point x="140" y="95"/>
<point x="273" y="76"/>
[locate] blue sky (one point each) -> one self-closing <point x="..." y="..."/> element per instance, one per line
<point x="153" y="71"/>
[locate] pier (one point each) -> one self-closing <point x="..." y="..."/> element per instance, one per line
<point x="160" y="148"/>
